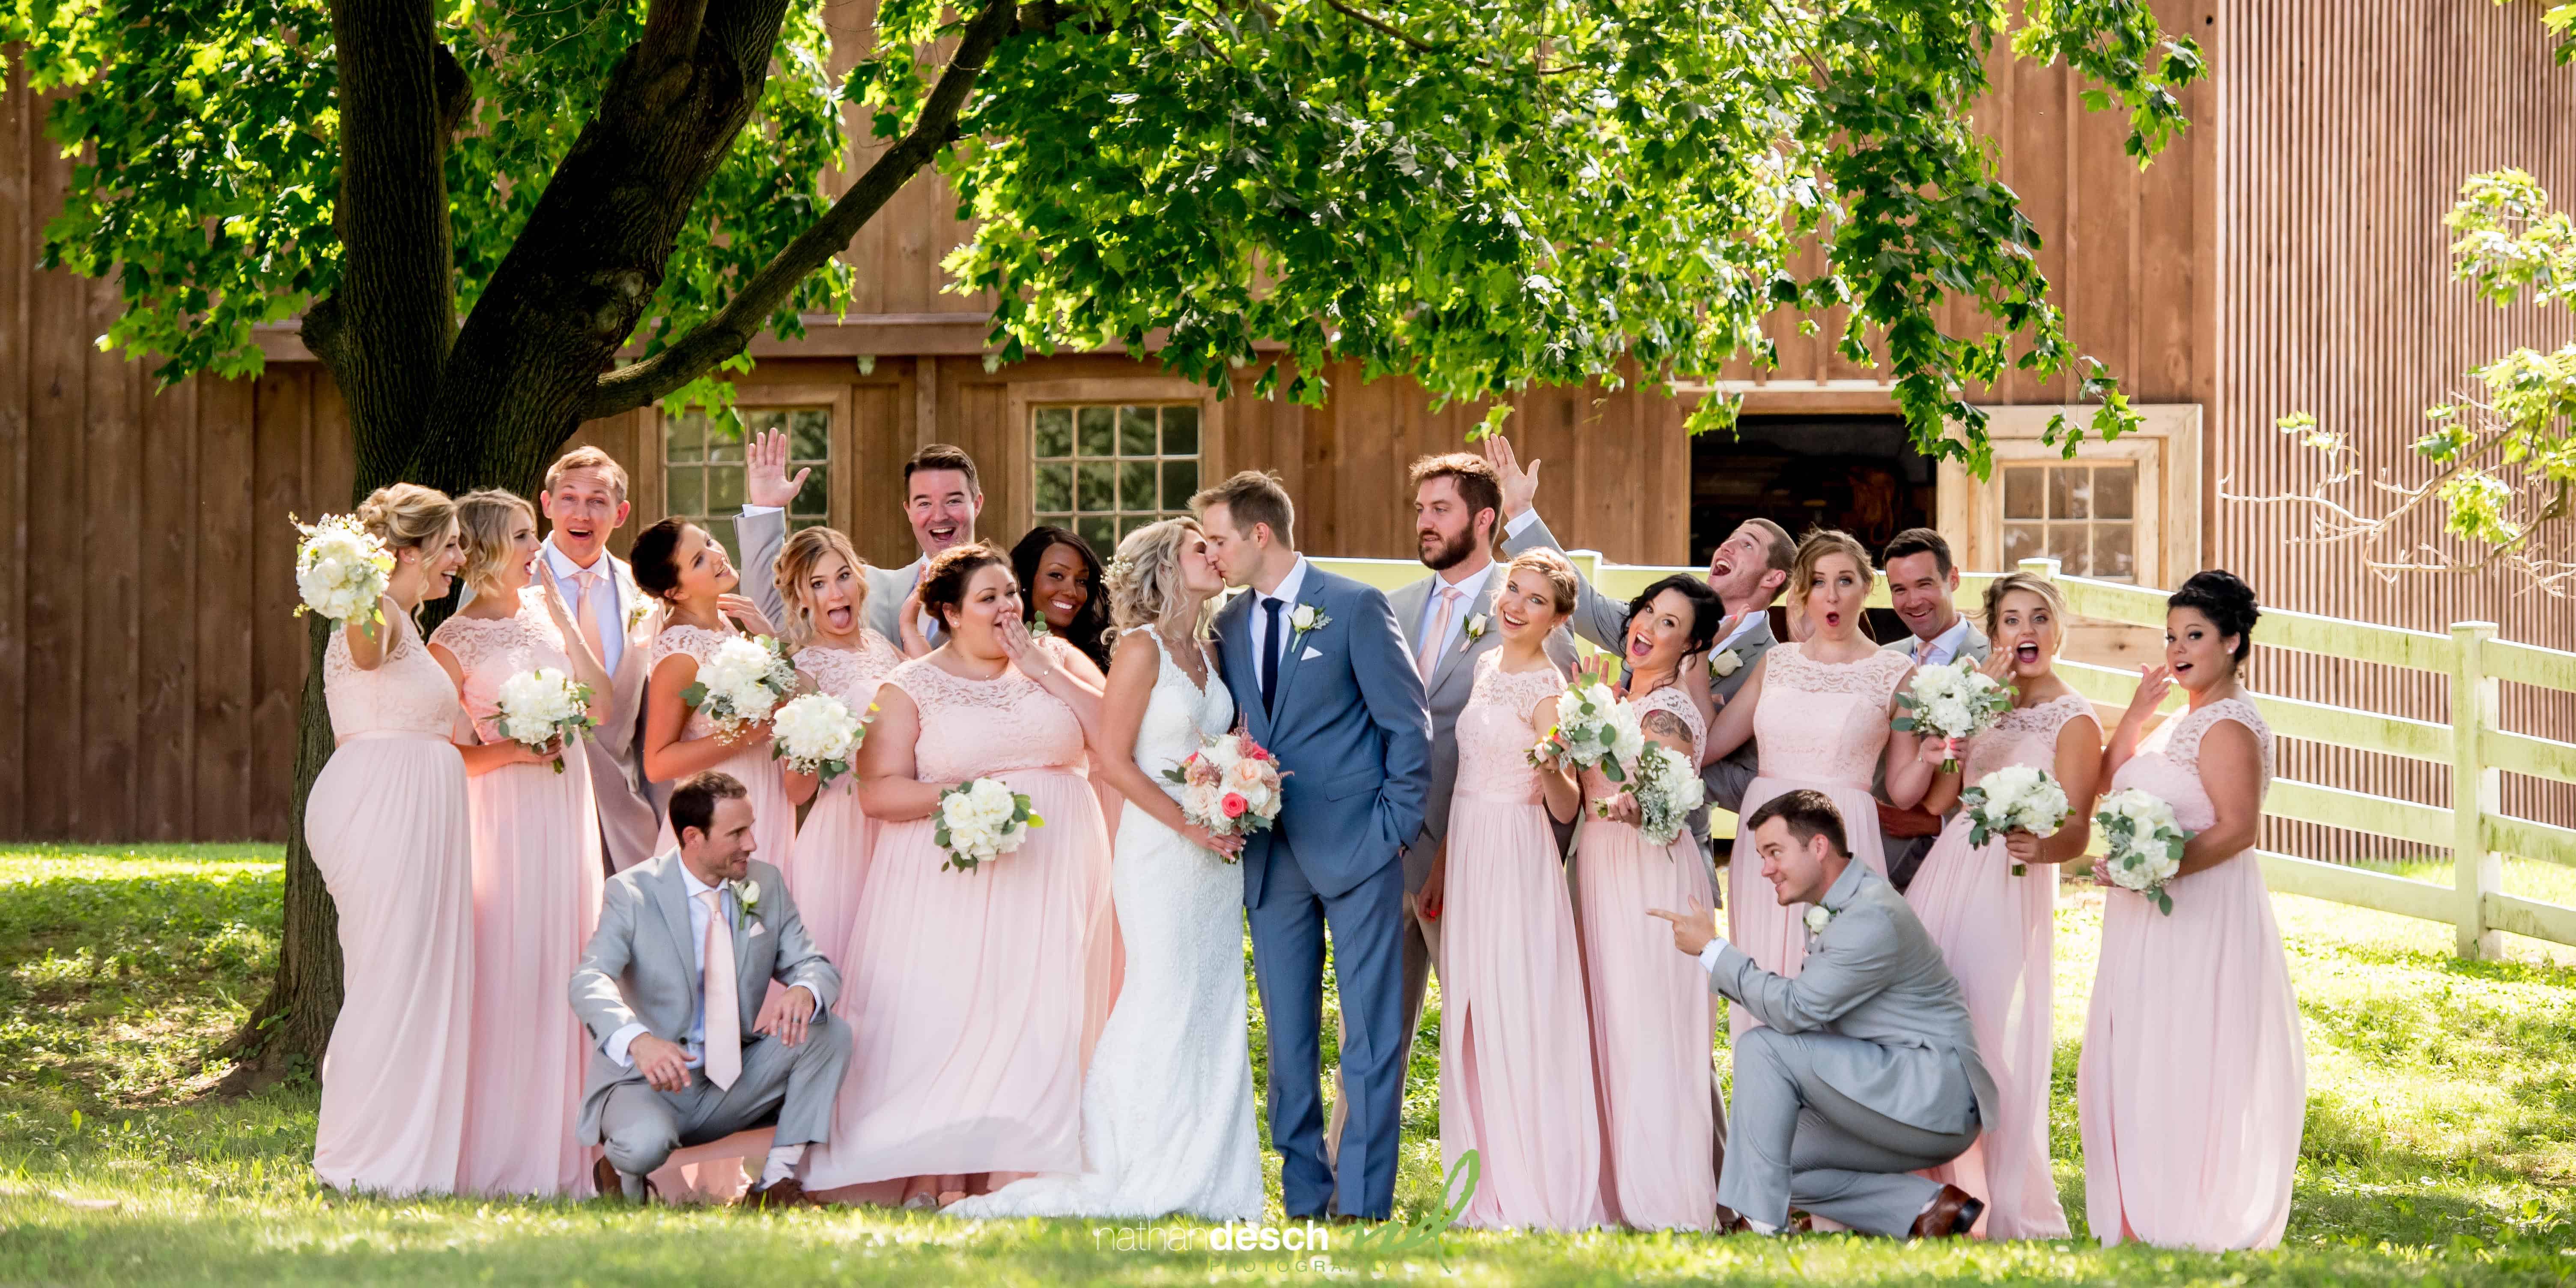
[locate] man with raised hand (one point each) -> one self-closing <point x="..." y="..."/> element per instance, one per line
<point x="941" y="500"/>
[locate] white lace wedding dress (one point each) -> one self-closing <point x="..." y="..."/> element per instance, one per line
<point x="1167" y="1123"/>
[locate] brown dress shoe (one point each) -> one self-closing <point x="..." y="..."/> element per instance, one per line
<point x="612" y="1187"/>
<point x="785" y="1192"/>
<point x="1953" y="1213"/>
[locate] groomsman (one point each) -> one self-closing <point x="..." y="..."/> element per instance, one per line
<point x="1923" y="584"/>
<point x="674" y="990"/>
<point x="585" y="502"/>
<point x="1446" y="620"/>
<point x="1864" y="1068"/>
<point x="941" y="500"/>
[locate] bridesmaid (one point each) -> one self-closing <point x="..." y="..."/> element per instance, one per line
<point x="974" y="996"/>
<point x="1515" y="1079"/>
<point x="1998" y="930"/>
<point x="1821" y="707"/>
<point x="537" y="867"/>
<point x="675" y="561"/>
<point x="388" y="829"/>
<point x="2193" y="1084"/>
<point x="824" y="585"/>
<point x="1066" y="588"/>
<point x="1649" y="1005"/>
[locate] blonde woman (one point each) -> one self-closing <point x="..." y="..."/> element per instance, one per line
<point x="824" y="586"/>
<point x="388" y="827"/>
<point x="1167" y="1122"/>
<point x="537" y="866"/>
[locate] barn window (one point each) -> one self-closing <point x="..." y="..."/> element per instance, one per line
<point x="702" y="466"/>
<point x="2083" y="515"/>
<point x="1106" y="470"/>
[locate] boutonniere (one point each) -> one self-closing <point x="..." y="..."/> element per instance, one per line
<point x="635" y="615"/>
<point x="1726" y="663"/>
<point x="1475" y="630"/>
<point x="1818" y="917"/>
<point x="1306" y="620"/>
<point x="747" y="894"/>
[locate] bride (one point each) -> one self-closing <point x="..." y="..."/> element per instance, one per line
<point x="1167" y="1123"/>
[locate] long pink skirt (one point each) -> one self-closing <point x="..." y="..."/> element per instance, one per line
<point x="1998" y="933"/>
<point x="537" y="879"/>
<point x="832" y="853"/>
<point x="773" y="816"/>
<point x="1515" y="1037"/>
<point x="1650" y="1028"/>
<point x="973" y="1000"/>
<point x="1775" y="937"/>
<point x="2193" y="1085"/>
<point x="387" y="823"/>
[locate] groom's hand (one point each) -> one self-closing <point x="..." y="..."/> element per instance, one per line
<point x="1692" y="930"/>
<point x="662" y="1063"/>
<point x="787" y="1014"/>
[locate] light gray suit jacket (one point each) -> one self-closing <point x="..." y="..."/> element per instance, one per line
<point x="1453" y="681"/>
<point x="642" y="966"/>
<point x="765" y="535"/>
<point x="1874" y="974"/>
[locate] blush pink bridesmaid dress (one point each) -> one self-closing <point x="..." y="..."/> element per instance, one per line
<point x="2193" y="1086"/>
<point x="1650" y="1011"/>
<point x="1821" y="725"/>
<point x="388" y="828"/>
<point x="773" y="816"/>
<point x="974" y="997"/>
<point x="1515" y="1038"/>
<point x="1998" y="932"/>
<point x="537" y="880"/>
<point x="833" y="845"/>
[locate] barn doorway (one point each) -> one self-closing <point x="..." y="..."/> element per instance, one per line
<point x="1857" y="473"/>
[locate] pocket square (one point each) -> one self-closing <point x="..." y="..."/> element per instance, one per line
<point x="756" y="931"/>
<point x="1309" y="655"/>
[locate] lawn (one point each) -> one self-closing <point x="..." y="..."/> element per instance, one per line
<point x="2440" y="1139"/>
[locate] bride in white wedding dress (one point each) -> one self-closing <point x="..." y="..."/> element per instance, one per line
<point x="1167" y="1115"/>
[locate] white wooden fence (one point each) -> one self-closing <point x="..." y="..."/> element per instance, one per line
<point x="2475" y="830"/>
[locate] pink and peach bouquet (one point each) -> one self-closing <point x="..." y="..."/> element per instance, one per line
<point x="1230" y="785"/>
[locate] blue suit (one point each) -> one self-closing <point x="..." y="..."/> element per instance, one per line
<point x="1349" y="725"/>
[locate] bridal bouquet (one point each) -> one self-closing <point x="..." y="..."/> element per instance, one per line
<point x="2015" y="798"/>
<point x="2142" y="844"/>
<point x="1230" y="785"/>
<point x="1668" y="789"/>
<point x="816" y="734"/>
<point x="742" y="684"/>
<point x="1954" y="701"/>
<point x="536" y="707"/>
<point x="979" y="819"/>
<point x="341" y="569"/>
<point x="1595" y="728"/>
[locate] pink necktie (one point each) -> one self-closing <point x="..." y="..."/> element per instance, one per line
<point x="1922" y="652"/>
<point x="1439" y="632"/>
<point x="722" y="1003"/>
<point x="584" y="579"/>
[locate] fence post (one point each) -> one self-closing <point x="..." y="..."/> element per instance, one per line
<point x="2476" y="790"/>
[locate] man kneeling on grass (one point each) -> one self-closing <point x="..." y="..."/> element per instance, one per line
<point x="686" y="947"/>
<point x="1866" y="1069"/>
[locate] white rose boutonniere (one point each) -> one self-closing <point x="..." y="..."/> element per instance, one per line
<point x="1305" y="620"/>
<point x="635" y="614"/>
<point x="747" y="893"/>
<point x="1818" y="917"/>
<point x="1475" y="629"/>
<point x="1726" y="663"/>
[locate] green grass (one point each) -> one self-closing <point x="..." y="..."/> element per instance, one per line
<point x="2440" y="1138"/>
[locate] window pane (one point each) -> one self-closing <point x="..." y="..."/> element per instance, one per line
<point x="722" y="531"/>
<point x="810" y="434"/>
<point x="2114" y="551"/>
<point x="1136" y="485"/>
<point x="684" y="438"/>
<point x="1180" y="431"/>
<point x="1095" y="485"/>
<point x="1099" y="530"/>
<point x="1094" y="431"/>
<point x="1180" y="479"/>
<point x="2023" y="541"/>
<point x="798" y="525"/>
<point x="1135" y="431"/>
<point x="2070" y="492"/>
<point x="2074" y="551"/>
<point x="1131" y="523"/>
<point x="2115" y="491"/>
<point x="1054" y="432"/>
<point x="724" y="489"/>
<point x="2025" y="497"/>
<point x="724" y="442"/>
<point x="1055" y="484"/>
<point x="816" y="496"/>
<point x="688" y="489"/>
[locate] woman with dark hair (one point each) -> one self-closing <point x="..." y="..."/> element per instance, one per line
<point x="690" y="574"/>
<point x="2193" y="1083"/>
<point x="1065" y="585"/>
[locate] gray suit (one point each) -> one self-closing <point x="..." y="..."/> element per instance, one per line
<point x="764" y="535"/>
<point x="1905" y="853"/>
<point x="642" y="968"/>
<point x="1866" y="1072"/>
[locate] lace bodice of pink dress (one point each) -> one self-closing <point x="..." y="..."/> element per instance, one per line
<point x="2024" y="736"/>
<point x="851" y="674"/>
<point x="700" y="643"/>
<point x="493" y="649"/>
<point x="2167" y="764"/>
<point x="1668" y="699"/>
<point x="1832" y="725"/>
<point x="1497" y="728"/>
<point x="408" y="692"/>
<point x="971" y="728"/>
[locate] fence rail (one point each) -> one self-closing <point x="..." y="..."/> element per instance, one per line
<point x="2474" y="829"/>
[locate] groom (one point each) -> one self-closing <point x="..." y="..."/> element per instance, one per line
<point x="1319" y="668"/>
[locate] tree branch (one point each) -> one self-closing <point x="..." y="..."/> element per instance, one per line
<point x="1381" y="26"/>
<point x="724" y="335"/>
<point x="670" y="32"/>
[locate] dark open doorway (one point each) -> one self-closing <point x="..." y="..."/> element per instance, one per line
<point x="1857" y="473"/>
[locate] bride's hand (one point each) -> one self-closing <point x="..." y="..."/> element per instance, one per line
<point x="1228" y="847"/>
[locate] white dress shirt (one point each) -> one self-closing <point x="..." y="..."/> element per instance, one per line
<point x="1944" y="647"/>
<point x="1471" y="599"/>
<point x="1743" y="626"/>
<point x="695" y="1049"/>
<point x="1286" y="594"/>
<point x="604" y="608"/>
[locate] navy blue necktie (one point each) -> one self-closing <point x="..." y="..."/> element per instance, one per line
<point x="1271" y="643"/>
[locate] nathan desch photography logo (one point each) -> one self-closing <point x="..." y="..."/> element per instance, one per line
<point x="1310" y="1245"/>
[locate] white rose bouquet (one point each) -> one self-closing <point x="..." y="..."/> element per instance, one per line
<point x="980" y="819"/>
<point x="817" y="734"/>
<point x="1668" y="788"/>
<point x="1594" y="729"/>
<point x="536" y="707"/>
<point x="341" y="570"/>
<point x="2015" y="798"/>
<point x="2142" y="844"/>
<point x="742" y="684"/>
<point x="1230" y="786"/>
<point x="1954" y="701"/>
